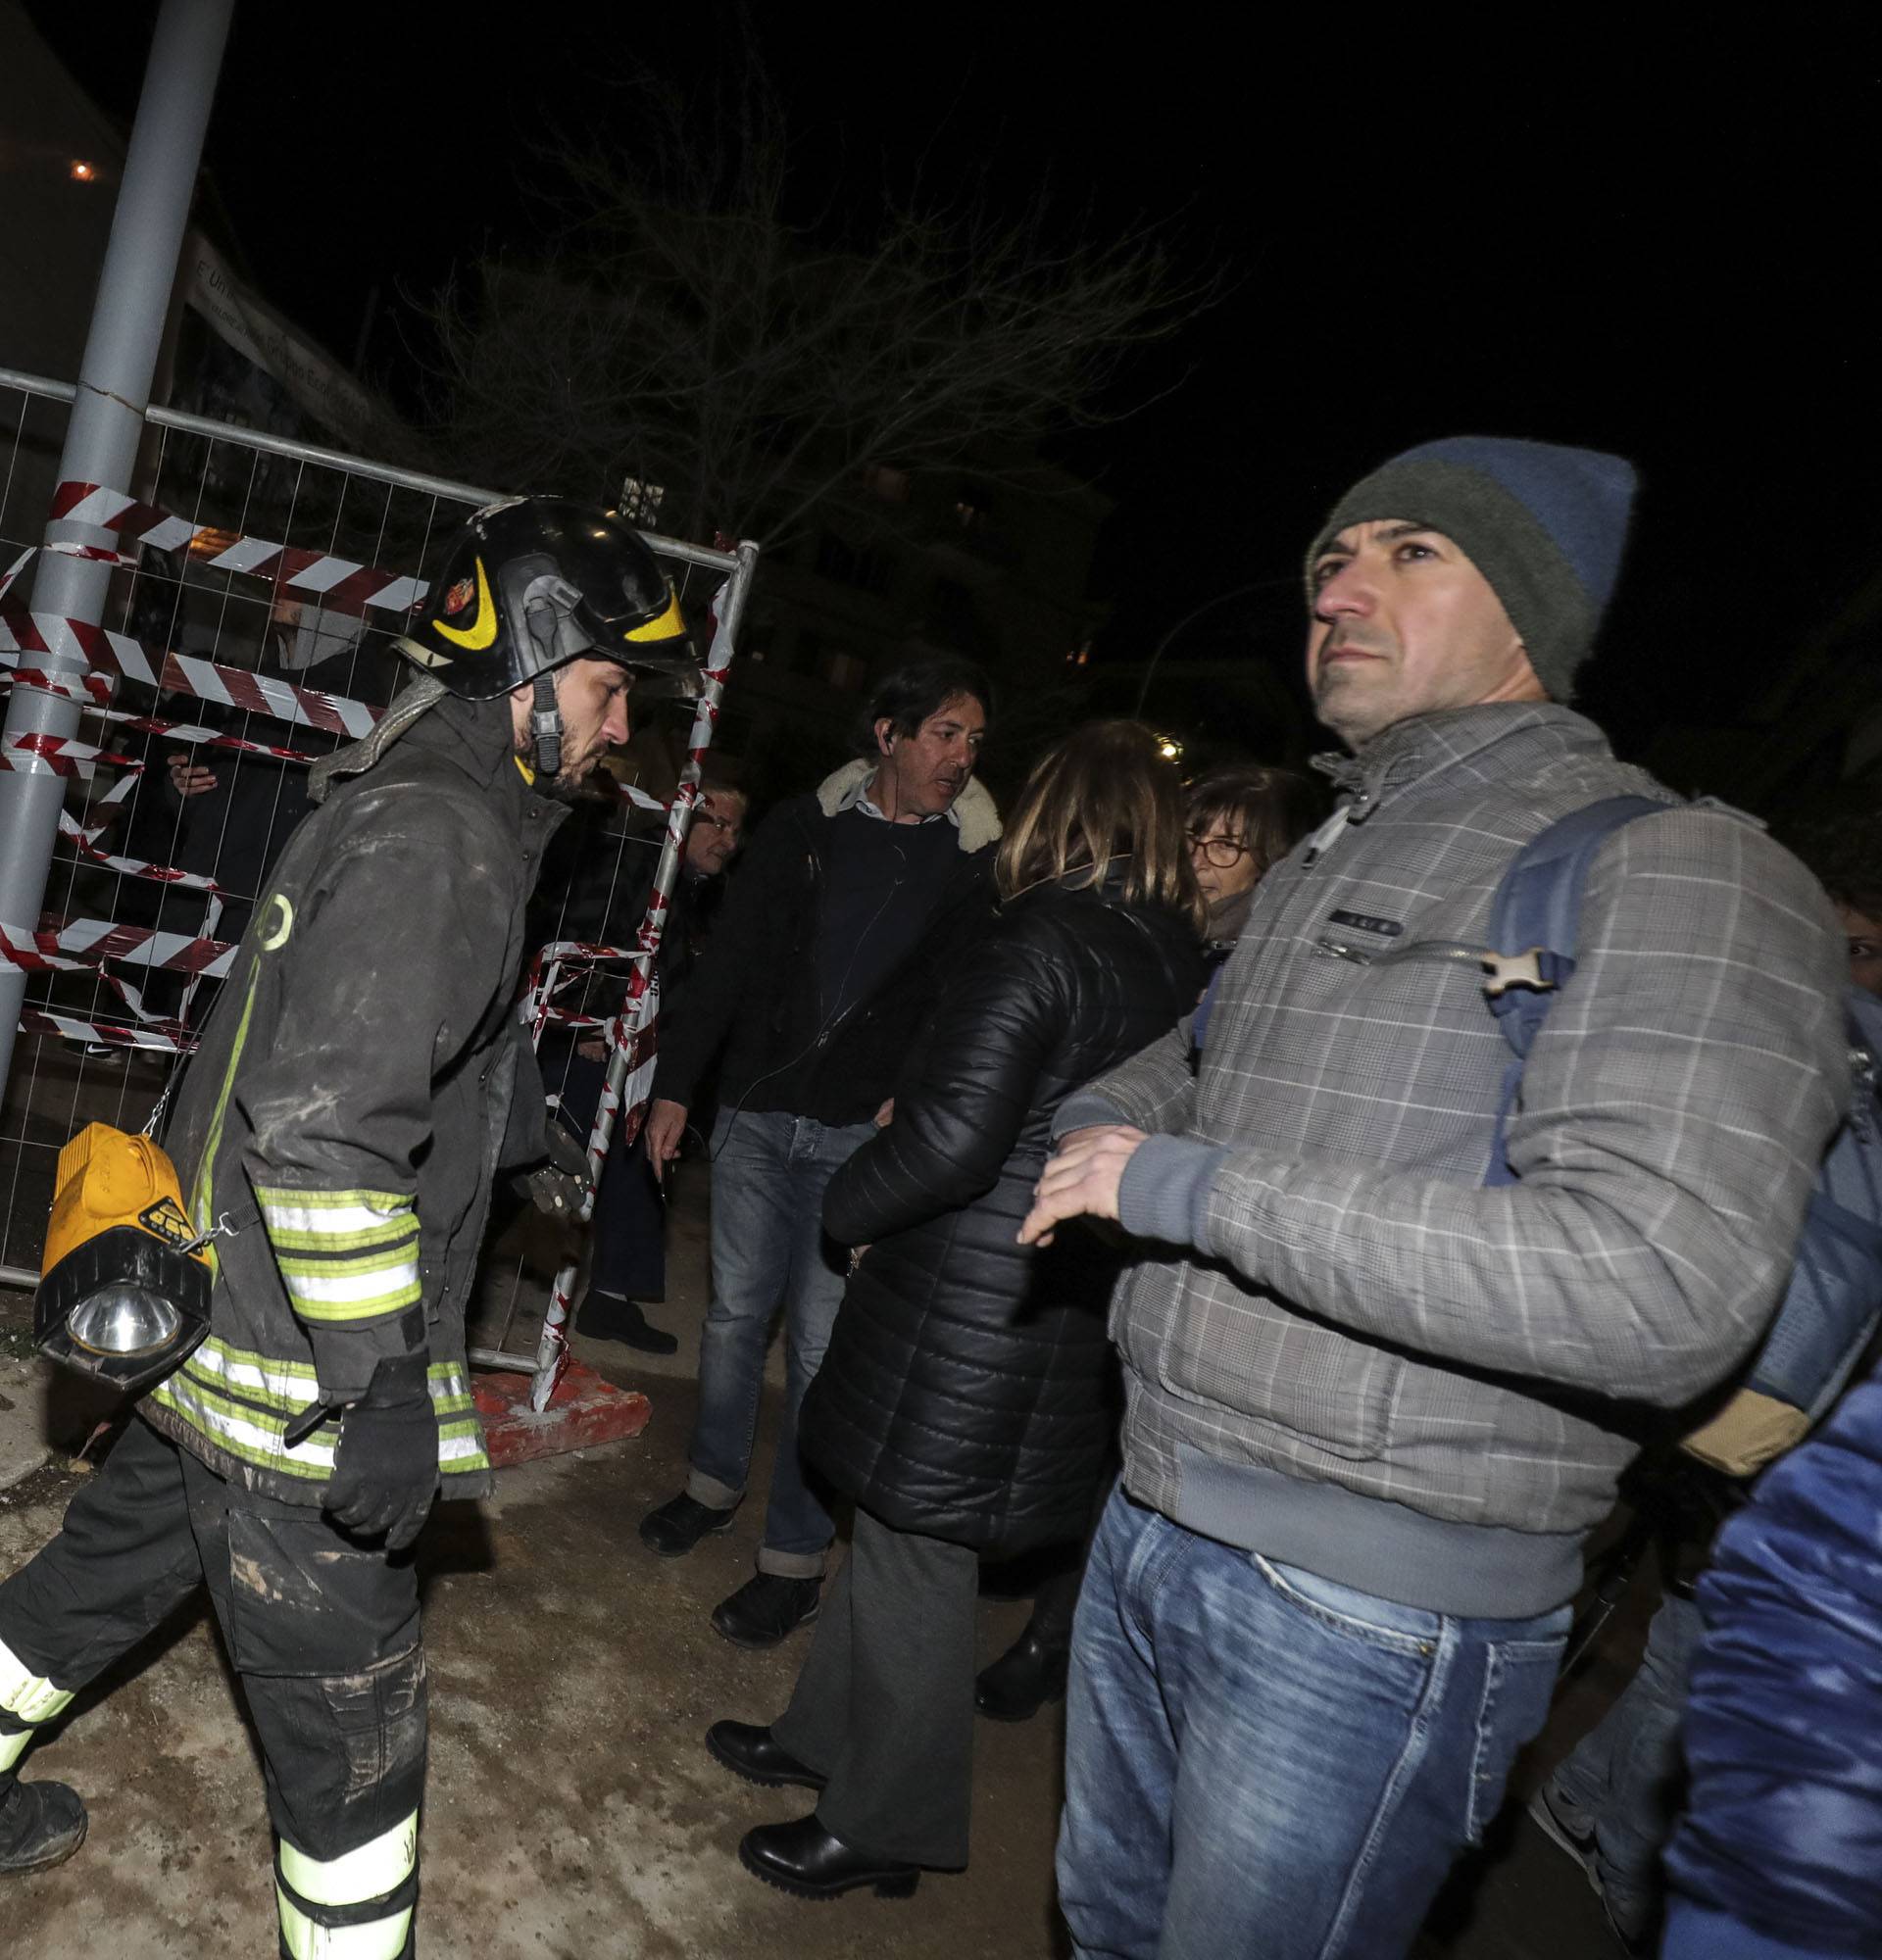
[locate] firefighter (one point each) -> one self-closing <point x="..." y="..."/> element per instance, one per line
<point x="341" y="1123"/>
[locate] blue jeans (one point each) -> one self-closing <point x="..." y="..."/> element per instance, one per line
<point x="1626" y="1772"/>
<point x="768" y="1248"/>
<point x="1261" y="1762"/>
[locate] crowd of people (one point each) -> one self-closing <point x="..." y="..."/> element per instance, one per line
<point x="1186" y="1186"/>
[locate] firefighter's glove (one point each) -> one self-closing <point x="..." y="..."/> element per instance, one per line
<point x="560" y="1188"/>
<point x="385" y="1467"/>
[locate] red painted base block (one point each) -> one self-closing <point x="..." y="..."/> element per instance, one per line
<point x="584" y="1411"/>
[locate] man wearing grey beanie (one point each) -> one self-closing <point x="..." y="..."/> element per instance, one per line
<point x="1375" y="1403"/>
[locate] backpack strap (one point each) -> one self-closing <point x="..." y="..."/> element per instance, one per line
<point x="1534" y="919"/>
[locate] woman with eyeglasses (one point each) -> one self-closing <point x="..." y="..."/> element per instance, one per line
<point x="1240" y="822"/>
<point x="965" y="1402"/>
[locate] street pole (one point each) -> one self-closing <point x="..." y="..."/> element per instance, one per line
<point x="102" y="433"/>
<point x="1207" y="606"/>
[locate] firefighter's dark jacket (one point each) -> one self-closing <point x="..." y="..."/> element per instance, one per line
<point x="756" y="991"/>
<point x="351" y="1103"/>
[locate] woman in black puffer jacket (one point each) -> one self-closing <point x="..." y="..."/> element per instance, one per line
<point x="964" y="1402"/>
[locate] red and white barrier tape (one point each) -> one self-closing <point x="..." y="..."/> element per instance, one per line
<point x="106" y="651"/>
<point x="199" y="737"/>
<point x="87" y="689"/>
<point x="85" y="842"/>
<point x="341" y="584"/>
<point x="97" y="553"/>
<point x="59" y="754"/>
<point x="80" y="945"/>
<point x="166" y="1037"/>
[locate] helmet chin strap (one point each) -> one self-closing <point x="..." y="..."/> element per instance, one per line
<point x="545" y="723"/>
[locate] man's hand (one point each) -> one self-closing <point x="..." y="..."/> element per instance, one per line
<point x="885" y="1116"/>
<point x="1080" y="1179"/>
<point x="664" y="1131"/>
<point x="189" y="777"/>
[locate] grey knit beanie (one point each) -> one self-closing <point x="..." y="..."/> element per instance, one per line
<point x="1544" y="523"/>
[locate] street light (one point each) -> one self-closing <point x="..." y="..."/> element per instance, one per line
<point x="1220" y="599"/>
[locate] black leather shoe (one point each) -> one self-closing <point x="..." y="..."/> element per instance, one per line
<point x="766" y="1608"/>
<point x="611" y="1316"/>
<point x="680" y="1524"/>
<point x="42" y="1825"/>
<point x="810" y="1862"/>
<point x="748" y="1750"/>
<point x="1030" y="1673"/>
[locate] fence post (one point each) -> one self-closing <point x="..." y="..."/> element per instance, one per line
<point x="552" y="1348"/>
<point x="107" y="422"/>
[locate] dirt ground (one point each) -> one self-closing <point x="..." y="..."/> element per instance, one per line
<point x="572" y="1810"/>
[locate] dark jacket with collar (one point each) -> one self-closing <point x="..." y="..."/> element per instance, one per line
<point x="1348" y="1353"/>
<point x="351" y="1101"/>
<point x="756" y="993"/>
<point x="964" y="1394"/>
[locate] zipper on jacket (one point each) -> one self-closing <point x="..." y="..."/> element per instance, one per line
<point x="1422" y="951"/>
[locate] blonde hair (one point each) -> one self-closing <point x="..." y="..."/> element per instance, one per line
<point x="1105" y="802"/>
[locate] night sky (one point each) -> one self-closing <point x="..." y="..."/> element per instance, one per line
<point x="1595" y="226"/>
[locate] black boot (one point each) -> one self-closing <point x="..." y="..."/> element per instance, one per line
<point x="809" y="1861"/>
<point x="611" y="1316"/>
<point x="767" y="1608"/>
<point x="747" y="1749"/>
<point x="1030" y="1673"/>
<point x="42" y="1825"/>
<point x="673" y="1528"/>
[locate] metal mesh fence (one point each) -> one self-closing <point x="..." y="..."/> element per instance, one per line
<point x="185" y="782"/>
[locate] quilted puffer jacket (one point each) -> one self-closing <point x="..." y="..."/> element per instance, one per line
<point x="1780" y="1852"/>
<point x="966" y="1393"/>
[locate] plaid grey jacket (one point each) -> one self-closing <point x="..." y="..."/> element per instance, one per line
<point x="1341" y="1307"/>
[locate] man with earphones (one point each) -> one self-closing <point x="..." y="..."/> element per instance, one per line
<point x="835" y="939"/>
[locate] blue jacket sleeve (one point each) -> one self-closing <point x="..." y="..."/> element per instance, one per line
<point x="1784" y="1728"/>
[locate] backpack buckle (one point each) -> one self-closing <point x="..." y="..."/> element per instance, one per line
<point x="1518" y="969"/>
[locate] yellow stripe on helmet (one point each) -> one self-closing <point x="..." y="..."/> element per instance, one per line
<point x="483" y="630"/>
<point x="668" y="626"/>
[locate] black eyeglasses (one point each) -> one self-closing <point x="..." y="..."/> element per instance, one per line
<point x="717" y="822"/>
<point x="1222" y="852"/>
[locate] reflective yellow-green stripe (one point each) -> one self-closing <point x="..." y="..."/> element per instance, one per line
<point x="202" y="1193"/>
<point x="253" y="1435"/>
<point x="28" y="1696"/>
<point x="244" y="1432"/>
<point x="345" y="1257"/>
<point x="391" y="1231"/>
<point x="356" y="1878"/>
<point x="353" y="1878"/>
<point x="220" y="1365"/>
<point x="324" y="1198"/>
<point x="375" y="1260"/>
<point x="283" y="1385"/>
<point x="342" y="1313"/>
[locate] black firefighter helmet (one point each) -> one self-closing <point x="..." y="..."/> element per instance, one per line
<point x="535" y="582"/>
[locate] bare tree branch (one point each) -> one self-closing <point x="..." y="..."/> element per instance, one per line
<point x="676" y="329"/>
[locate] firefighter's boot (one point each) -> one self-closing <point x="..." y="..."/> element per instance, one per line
<point x="41" y="1824"/>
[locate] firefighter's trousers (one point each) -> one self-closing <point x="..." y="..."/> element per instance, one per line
<point x="323" y="1633"/>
